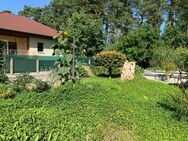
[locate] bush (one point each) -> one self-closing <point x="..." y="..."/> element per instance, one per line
<point x="102" y="71"/>
<point x="41" y="86"/>
<point x="139" y="70"/>
<point x="99" y="70"/>
<point x="110" y="60"/>
<point x="82" y="72"/>
<point x="6" y="92"/>
<point x="181" y="58"/>
<point x="85" y="71"/>
<point x="26" y="82"/>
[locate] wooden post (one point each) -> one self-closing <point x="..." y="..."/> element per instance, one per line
<point x="37" y="65"/>
<point x="11" y="66"/>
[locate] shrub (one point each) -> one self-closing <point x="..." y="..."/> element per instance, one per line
<point x="139" y="70"/>
<point x="26" y="82"/>
<point x="21" y="82"/>
<point x="102" y="71"/>
<point x="41" y="86"/>
<point x="85" y="71"/>
<point x="168" y="66"/>
<point x="99" y="70"/>
<point x="181" y="58"/>
<point x="110" y="60"/>
<point x="6" y="92"/>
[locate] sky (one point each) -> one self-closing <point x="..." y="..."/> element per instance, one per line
<point x="17" y="5"/>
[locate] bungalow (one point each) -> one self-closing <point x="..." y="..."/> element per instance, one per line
<point x="24" y="36"/>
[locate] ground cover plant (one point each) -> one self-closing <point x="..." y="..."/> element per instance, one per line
<point x="93" y="109"/>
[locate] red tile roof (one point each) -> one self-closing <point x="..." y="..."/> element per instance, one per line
<point x="17" y="23"/>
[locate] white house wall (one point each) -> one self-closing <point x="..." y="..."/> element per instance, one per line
<point x="47" y="43"/>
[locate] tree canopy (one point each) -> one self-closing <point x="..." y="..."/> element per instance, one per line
<point x="131" y="26"/>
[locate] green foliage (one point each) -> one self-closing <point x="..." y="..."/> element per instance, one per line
<point x="40" y="86"/>
<point x="90" y="38"/>
<point x="169" y="58"/>
<point x="175" y="37"/>
<point x="26" y="82"/>
<point x="68" y="67"/>
<point x="85" y="71"/>
<point x="178" y="104"/>
<point x="139" y="70"/>
<point x="138" y="45"/>
<point x="99" y="70"/>
<point x="94" y="108"/>
<point x="164" y="57"/>
<point x="6" y="91"/>
<point x="103" y="71"/>
<point x="181" y="58"/>
<point x="149" y="11"/>
<point x="182" y="14"/>
<point x="3" y="77"/>
<point x="32" y="13"/>
<point x="168" y="66"/>
<point x="110" y="60"/>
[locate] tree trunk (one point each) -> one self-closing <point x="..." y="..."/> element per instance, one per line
<point x="110" y="72"/>
<point x="171" y="12"/>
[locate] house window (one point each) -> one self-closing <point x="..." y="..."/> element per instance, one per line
<point x="12" y="47"/>
<point x="40" y="47"/>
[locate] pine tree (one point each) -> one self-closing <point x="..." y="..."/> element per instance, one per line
<point x="149" y="11"/>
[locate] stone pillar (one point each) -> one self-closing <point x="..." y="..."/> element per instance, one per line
<point x="128" y="71"/>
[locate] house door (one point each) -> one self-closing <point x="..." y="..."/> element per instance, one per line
<point x="12" y="48"/>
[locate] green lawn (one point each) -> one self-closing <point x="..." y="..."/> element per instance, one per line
<point x="93" y="109"/>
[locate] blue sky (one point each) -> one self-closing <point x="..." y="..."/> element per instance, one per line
<point x="17" y="5"/>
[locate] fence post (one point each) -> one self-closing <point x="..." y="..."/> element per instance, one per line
<point x="11" y="66"/>
<point x="37" y="65"/>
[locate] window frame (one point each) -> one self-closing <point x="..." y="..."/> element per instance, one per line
<point x="40" y="44"/>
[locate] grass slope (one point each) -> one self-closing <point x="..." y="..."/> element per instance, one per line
<point x="94" y="109"/>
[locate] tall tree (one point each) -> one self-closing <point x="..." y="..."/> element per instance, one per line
<point x="138" y="45"/>
<point x="149" y="11"/>
<point x="54" y="15"/>
<point x="183" y="13"/>
<point x="171" y="11"/>
<point x="88" y="33"/>
<point x="34" y="13"/>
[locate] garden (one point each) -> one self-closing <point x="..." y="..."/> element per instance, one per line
<point x="91" y="102"/>
<point x="95" y="109"/>
<point x="92" y="106"/>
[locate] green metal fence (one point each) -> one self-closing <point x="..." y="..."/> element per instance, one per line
<point x="21" y="64"/>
